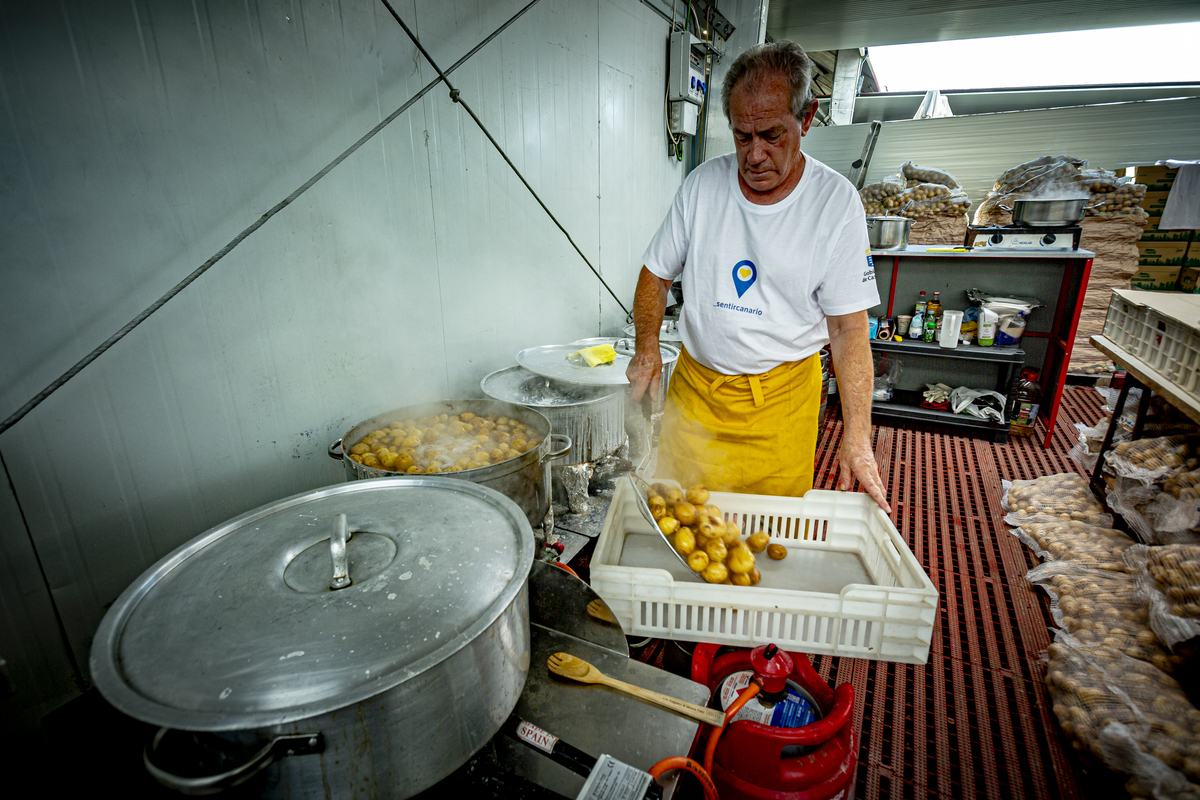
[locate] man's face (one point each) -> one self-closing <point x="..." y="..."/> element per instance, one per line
<point x="767" y="134"/>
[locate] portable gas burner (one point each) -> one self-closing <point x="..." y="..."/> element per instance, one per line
<point x="1023" y="237"/>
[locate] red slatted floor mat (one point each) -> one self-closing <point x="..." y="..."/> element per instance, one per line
<point x="975" y="722"/>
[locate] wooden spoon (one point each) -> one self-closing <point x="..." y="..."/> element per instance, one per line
<point x="569" y="666"/>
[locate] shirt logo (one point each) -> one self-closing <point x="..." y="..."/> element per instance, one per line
<point x="744" y="275"/>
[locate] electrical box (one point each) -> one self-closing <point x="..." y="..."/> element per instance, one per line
<point x="686" y="75"/>
<point x="683" y="116"/>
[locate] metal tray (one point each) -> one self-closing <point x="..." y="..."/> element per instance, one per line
<point x="550" y="361"/>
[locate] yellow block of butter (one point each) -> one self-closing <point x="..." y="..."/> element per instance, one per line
<point x="596" y="355"/>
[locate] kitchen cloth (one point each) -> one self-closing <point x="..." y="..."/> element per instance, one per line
<point x="1182" y="212"/>
<point x="754" y="434"/>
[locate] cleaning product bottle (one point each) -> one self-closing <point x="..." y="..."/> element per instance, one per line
<point x="989" y="321"/>
<point x="921" y="305"/>
<point x="1023" y="404"/>
<point x="917" y="326"/>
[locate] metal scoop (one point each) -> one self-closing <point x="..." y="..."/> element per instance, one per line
<point x="642" y="492"/>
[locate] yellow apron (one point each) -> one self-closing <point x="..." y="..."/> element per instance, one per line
<point x="754" y="434"/>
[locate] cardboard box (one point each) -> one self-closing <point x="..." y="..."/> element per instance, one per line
<point x="1192" y="259"/>
<point x="1155" y="235"/>
<point x="1189" y="280"/>
<point x="1161" y="254"/>
<point x="1155" y="279"/>
<point x="1157" y="179"/>
<point x="1154" y="203"/>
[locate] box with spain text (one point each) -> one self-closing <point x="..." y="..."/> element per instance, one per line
<point x="1155" y="279"/>
<point x="1161" y="254"/>
<point x="1189" y="280"/>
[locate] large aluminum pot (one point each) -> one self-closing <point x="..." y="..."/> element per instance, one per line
<point x="888" y="233"/>
<point x="525" y="479"/>
<point x="592" y="416"/>
<point x="257" y="668"/>
<point x="1047" y="213"/>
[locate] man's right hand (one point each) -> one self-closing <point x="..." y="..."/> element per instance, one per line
<point x="645" y="372"/>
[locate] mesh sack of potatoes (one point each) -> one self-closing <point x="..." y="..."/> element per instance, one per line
<point x="1151" y="460"/>
<point x="1100" y="607"/>
<point x="954" y="204"/>
<point x="917" y="175"/>
<point x="1065" y="495"/>
<point x="1038" y="173"/>
<point x="878" y="198"/>
<point x="1130" y="715"/>
<point x="1096" y="181"/>
<point x="1175" y="511"/>
<point x="1125" y="199"/>
<point x="1091" y="546"/>
<point x="1168" y="578"/>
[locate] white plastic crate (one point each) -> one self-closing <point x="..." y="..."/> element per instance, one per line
<point x="849" y="585"/>
<point x="1160" y="328"/>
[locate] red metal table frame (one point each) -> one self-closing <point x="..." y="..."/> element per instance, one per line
<point x="1061" y="336"/>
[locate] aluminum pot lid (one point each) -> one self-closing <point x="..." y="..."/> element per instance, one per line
<point x="520" y="386"/>
<point x="625" y="346"/>
<point x="551" y="361"/>
<point x="238" y="628"/>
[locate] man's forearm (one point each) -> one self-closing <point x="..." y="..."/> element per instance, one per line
<point x="855" y="376"/>
<point x="649" y="305"/>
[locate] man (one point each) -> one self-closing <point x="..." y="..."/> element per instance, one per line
<point x="772" y="246"/>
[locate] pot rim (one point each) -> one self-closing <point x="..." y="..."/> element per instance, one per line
<point x="613" y="396"/>
<point x="109" y="679"/>
<point x="478" y="473"/>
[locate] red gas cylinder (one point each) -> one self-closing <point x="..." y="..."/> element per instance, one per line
<point x="816" y="762"/>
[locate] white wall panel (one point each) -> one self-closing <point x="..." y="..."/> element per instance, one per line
<point x="137" y="139"/>
<point x="637" y="178"/>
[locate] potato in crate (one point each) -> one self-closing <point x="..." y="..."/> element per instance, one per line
<point x="847" y="586"/>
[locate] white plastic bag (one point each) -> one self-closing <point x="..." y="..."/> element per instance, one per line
<point x="1066" y="495"/>
<point x="981" y="403"/>
<point x="1168" y="578"/>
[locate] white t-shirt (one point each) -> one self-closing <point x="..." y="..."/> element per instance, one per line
<point x="758" y="281"/>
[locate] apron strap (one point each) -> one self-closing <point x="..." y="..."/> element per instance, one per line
<point x="755" y="387"/>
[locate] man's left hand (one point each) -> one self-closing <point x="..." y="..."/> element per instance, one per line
<point x="856" y="459"/>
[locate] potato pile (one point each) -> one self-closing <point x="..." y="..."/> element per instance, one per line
<point x="1087" y="545"/>
<point x="1164" y="455"/>
<point x="1066" y="495"/>
<point x="1103" y="608"/>
<point x="1176" y="570"/>
<point x="444" y="443"/>
<point x="1184" y="486"/>
<point x="914" y="175"/>
<point x="713" y="547"/>
<point x="1123" y="200"/>
<point x="1093" y="686"/>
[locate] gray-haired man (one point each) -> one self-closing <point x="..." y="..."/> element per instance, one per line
<point x="773" y="251"/>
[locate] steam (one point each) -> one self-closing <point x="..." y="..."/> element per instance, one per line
<point x="1059" y="190"/>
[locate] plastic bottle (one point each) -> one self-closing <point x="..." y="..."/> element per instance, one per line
<point x="935" y="306"/>
<point x="921" y="305"/>
<point x="1023" y="403"/>
<point x="917" y="326"/>
<point x="988" y="322"/>
<point x="930" y="327"/>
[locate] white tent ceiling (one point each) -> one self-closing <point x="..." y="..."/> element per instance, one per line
<point x="838" y="24"/>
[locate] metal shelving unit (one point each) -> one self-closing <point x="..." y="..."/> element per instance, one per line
<point x="1058" y="278"/>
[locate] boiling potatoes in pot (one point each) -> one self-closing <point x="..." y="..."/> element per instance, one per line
<point x="444" y="443"/>
<point x="698" y="531"/>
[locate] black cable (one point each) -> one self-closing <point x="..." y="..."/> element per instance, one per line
<point x="16" y="416"/>
<point x="456" y="96"/>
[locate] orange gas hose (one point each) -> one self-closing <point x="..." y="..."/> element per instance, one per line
<point x="711" y="748"/>
<point x="684" y="763"/>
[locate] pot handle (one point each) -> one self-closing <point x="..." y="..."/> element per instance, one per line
<point x="337" y="552"/>
<point x="335" y="451"/>
<point x="554" y="455"/>
<point x="1006" y="208"/>
<point x="296" y="744"/>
